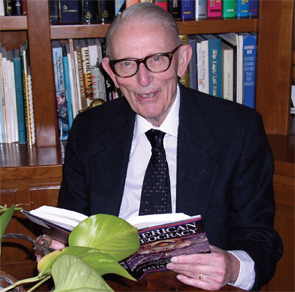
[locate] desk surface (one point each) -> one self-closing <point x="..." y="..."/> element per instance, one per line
<point x="159" y="281"/>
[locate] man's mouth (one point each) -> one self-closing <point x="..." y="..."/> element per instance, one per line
<point x="150" y="95"/>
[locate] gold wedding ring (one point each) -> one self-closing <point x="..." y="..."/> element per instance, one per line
<point x="200" y="276"/>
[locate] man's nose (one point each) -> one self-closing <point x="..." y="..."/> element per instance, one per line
<point x="144" y="76"/>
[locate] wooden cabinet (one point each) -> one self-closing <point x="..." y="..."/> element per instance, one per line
<point x="32" y="175"/>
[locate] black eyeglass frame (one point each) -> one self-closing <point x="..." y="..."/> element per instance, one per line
<point x="143" y="60"/>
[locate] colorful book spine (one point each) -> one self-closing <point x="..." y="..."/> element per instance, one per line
<point x="215" y="72"/>
<point x="185" y="78"/>
<point x="19" y="98"/>
<point x="253" y="8"/>
<point x="249" y="50"/>
<point x="242" y="8"/>
<point x="70" y="11"/>
<point x="214" y="8"/>
<point x="188" y="9"/>
<point x="229" y="8"/>
<point x="162" y="3"/>
<point x="68" y="87"/>
<point x="119" y="6"/>
<point x="201" y="9"/>
<point x="2" y="104"/>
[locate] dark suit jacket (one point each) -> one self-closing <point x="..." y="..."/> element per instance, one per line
<point x="224" y="171"/>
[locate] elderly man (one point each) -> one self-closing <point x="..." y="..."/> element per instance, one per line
<point x="219" y="162"/>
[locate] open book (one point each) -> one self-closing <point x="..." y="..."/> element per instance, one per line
<point x="161" y="236"/>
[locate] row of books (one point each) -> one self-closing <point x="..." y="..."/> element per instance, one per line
<point x="16" y="106"/>
<point x="104" y="11"/>
<point x="224" y="66"/>
<point x="79" y="80"/>
<point x="13" y="7"/>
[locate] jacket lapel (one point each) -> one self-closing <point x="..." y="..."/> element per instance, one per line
<point x="196" y="169"/>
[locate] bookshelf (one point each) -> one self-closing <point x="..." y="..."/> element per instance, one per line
<point x="33" y="174"/>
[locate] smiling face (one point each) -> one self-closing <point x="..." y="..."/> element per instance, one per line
<point x="150" y="95"/>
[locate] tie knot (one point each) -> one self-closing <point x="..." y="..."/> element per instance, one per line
<point x="155" y="137"/>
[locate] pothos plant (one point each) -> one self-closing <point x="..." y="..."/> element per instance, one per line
<point x="95" y="247"/>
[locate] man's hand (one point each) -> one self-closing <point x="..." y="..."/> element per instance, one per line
<point x="206" y="271"/>
<point x="54" y="244"/>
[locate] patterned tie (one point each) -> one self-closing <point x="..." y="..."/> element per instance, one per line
<point x="155" y="196"/>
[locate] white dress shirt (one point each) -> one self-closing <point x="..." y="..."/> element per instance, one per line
<point x="138" y="160"/>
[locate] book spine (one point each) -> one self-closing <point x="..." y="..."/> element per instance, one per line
<point x="24" y="7"/>
<point x="240" y="69"/>
<point x="162" y="3"/>
<point x="128" y="3"/>
<point x="227" y="71"/>
<point x="185" y="78"/>
<point x="192" y="65"/>
<point x="253" y="8"/>
<point x="214" y="8"/>
<point x="54" y="11"/>
<point x="87" y="74"/>
<point x="19" y="100"/>
<point x="106" y="11"/>
<point x="201" y="9"/>
<point x="174" y="8"/>
<point x="215" y="77"/>
<point x="2" y="103"/>
<point x="187" y="9"/>
<point x="242" y="8"/>
<point x="68" y="87"/>
<point x="229" y="8"/>
<point x="70" y="11"/>
<point x="119" y="6"/>
<point x="249" y="49"/>
<point x="32" y="138"/>
<point x="89" y="10"/>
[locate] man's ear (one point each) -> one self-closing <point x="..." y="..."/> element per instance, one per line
<point x="106" y="66"/>
<point x="184" y="56"/>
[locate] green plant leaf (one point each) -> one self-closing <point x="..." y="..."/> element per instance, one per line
<point x="4" y="220"/>
<point x="101" y="262"/>
<point x="70" y="274"/>
<point x="108" y="233"/>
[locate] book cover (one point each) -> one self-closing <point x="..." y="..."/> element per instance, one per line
<point x="119" y="6"/>
<point x="229" y="8"/>
<point x="70" y="11"/>
<point x="215" y="72"/>
<point x="32" y="117"/>
<point x="249" y="66"/>
<point x="54" y="12"/>
<point x="24" y="7"/>
<point x="2" y="104"/>
<point x="201" y="9"/>
<point x="214" y="8"/>
<point x="227" y="71"/>
<point x="89" y="11"/>
<point x="67" y="85"/>
<point x="174" y="8"/>
<point x="162" y="3"/>
<point x="128" y="3"/>
<point x="242" y="8"/>
<point x="158" y="244"/>
<point x="240" y="68"/>
<point x="2" y="10"/>
<point x="253" y="8"/>
<point x="22" y="138"/>
<point x="60" y="90"/>
<point x="188" y="9"/>
<point x="106" y="11"/>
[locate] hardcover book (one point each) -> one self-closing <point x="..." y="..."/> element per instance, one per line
<point x="187" y="9"/>
<point x="161" y="236"/>
<point x="174" y="8"/>
<point x="253" y="8"/>
<point x="162" y="3"/>
<point x="229" y="8"/>
<point x="242" y="8"/>
<point x="89" y="11"/>
<point x="158" y="244"/>
<point x="214" y="8"/>
<point x="106" y="11"/>
<point x="54" y="12"/>
<point x="227" y="71"/>
<point x="201" y="9"/>
<point x="70" y="11"/>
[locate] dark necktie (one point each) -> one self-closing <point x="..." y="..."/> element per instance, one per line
<point x="155" y="196"/>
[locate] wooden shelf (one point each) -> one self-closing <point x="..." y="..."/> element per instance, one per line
<point x="13" y="23"/>
<point x="185" y="27"/>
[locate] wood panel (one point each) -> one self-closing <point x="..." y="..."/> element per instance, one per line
<point x="274" y="64"/>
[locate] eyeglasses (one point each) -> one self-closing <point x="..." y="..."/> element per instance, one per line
<point x="156" y="63"/>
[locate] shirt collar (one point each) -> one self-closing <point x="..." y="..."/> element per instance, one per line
<point x="169" y="126"/>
